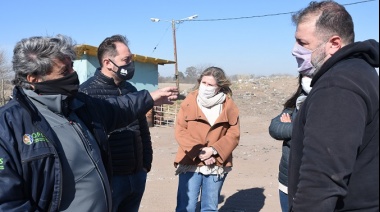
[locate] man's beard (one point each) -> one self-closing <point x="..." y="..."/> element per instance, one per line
<point x="318" y="60"/>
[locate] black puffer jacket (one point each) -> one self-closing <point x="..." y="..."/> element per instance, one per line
<point x="131" y="147"/>
<point x="283" y="131"/>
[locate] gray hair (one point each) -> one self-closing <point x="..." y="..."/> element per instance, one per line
<point x="333" y="20"/>
<point x="35" y="55"/>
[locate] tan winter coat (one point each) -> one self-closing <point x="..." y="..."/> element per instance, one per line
<point x="193" y="132"/>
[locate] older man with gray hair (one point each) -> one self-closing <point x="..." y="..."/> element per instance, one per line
<point x="54" y="153"/>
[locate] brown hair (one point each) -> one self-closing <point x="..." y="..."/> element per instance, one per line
<point x="220" y="78"/>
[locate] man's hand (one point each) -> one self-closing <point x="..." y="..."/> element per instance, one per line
<point x="164" y="95"/>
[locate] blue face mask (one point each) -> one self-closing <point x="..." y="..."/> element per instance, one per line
<point x="125" y="72"/>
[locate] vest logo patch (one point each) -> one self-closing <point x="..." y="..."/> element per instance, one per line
<point x="36" y="137"/>
<point x="1" y="164"/>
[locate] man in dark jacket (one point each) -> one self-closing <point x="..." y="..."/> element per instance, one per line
<point x="334" y="157"/>
<point x="131" y="147"/>
<point x="53" y="140"/>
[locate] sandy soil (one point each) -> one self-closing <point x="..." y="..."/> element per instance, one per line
<point x="252" y="185"/>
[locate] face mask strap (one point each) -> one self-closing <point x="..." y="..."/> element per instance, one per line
<point x="118" y="67"/>
<point x="113" y="63"/>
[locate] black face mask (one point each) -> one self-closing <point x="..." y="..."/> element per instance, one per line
<point x="125" y="72"/>
<point x="67" y="85"/>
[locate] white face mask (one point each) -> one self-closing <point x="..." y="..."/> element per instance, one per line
<point x="305" y="83"/>
<point x="207" y="91"/>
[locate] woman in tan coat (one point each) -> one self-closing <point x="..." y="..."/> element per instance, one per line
<point x="207" y="130"/>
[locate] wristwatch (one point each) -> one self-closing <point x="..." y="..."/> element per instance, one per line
<point x="214" y="152"/>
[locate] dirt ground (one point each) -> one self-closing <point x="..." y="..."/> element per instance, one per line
<point x="252" y="185"/>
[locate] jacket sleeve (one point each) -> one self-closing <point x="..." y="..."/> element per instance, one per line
<point x="17" y="193"/>
<point x="228" y="142"/>
<point x="118" y="112"/>
<point x="333" y="131"/>
<point x="146" y="143"/>
<point x="12" y="197"/>
<point x="280" y="130"/>
<point x="186" y="142"/>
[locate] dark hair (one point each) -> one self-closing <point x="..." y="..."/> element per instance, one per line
<point x="291" y="102"/>
<point x="35" y="55"/>
<point x="220" y="78"/>
<point x="108" y="47"/>
<point x="333" y="20"/>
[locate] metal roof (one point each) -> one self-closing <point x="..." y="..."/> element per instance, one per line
<point x="85" y="49"/>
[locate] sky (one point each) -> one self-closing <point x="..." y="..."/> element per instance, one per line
<point x="259" y="46"/>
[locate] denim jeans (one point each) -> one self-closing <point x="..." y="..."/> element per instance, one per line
<point x="127" y="191"/>
<point x="191" y="184"/>
<point x="284" y="201"/>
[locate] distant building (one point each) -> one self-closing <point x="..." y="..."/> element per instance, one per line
<point x="145" y="77"/>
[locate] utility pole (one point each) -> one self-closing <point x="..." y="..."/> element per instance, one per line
<point x="174" y="22"/>
<point x="175" y="56"/>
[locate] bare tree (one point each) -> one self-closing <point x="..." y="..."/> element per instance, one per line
<point x="5" y="70"/>
<point x="5" y="79"/>
<point x="202" y="67"/>
<point x="191" y="72"/>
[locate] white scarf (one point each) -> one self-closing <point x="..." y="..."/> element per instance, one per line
<point x="211" y="107"/>
<point x="212" y="101"/>
<point x="300" y="100"/>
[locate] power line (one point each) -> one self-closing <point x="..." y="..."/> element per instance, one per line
<point x="254" y="16"/>
<point x="273" y="14"/>
<point x="359" y="2"/>
<point x="154" y="49"/>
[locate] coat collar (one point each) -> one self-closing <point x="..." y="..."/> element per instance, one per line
<point x="106" y="80"/>
<point x="230" y="112"/>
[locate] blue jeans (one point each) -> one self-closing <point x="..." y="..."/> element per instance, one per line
<point x="127" y="191"/>
<point x="191" y="184"/>
<point x="284" y="201"/>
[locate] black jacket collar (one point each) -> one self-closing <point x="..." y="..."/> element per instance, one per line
<point x="106" y="80"/>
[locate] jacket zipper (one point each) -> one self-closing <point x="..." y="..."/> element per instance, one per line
<point x="133" y="141"/>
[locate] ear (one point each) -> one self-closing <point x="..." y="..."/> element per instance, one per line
<point x="107" y="64"/>
<point x="32" y="79"/>
<point x="336" y="44"/>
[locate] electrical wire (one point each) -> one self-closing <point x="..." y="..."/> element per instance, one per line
<point x="247" y="17"/>
<point x="261" y="16"/>
<point x="154" y="49"/>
